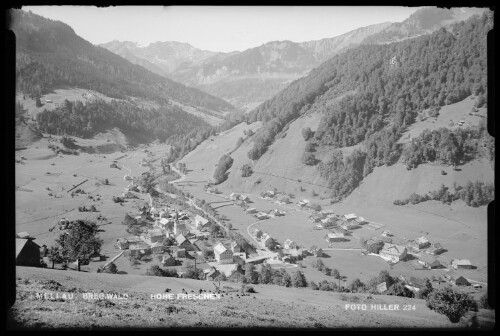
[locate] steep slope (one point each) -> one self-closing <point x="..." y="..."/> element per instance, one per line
<point x="49" y="55"/>
<point x="423" y="21"/>
<point x="394" y="84"/>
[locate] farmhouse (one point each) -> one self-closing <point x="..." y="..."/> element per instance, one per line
<point x="27" y="252"/>
<point x="350" y="225"/>
<point x="283" y="199"/>
<point x="349" y="217"/>
<point x="360" y="220"/>
<point x="421" y="243"/>
<point x="435" y="249"/>
<point x="387" y="233"/>
<point x="277" y="212"/>
<point x="461" y="281"/>
<point x="262" y="215"/>
<point x="251" y="210"/>
<point x="429" y="261"/>
<point x="182" y="241"/>
<point x="138" y="250"/>
<point x="155" y="235"/>
<point x="200" y="222"/>
<point x="235" y="247"/>
<point x="244" y="198"/>
<point x="168" y="260"/>
<point x="335" y="237"/>
<point x="222" y="254"/>
<point x="461" y="264"/>
<point x="316" y="251"/>
<point x="393" y="252"/>
<point x="289" y="244"/>
<point x="303" y="203"/>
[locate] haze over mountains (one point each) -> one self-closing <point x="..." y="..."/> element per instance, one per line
<point x="248" y="78"/>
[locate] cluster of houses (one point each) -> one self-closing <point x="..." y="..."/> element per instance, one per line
<point x="261" y="215"/>
<point x="167" y="223"/>
<point x="341" y="224"/>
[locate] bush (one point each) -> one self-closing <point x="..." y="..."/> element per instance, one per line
<point x="452" y="303"/>
<point x="483" y="302"/>
<point x="309" y="159"/>
<point x="307" y="133"/>
<point x="398" y="289"/>
<point x="246" y="170"/>
<point x="313" y="285"/>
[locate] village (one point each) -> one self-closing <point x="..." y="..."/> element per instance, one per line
<point x="186" y="244"/>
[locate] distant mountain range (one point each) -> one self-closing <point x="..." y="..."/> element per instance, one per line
<point x="250" y="77"/>
<point x="49" y="54"/>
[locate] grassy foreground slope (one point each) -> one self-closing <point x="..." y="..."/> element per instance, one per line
<point x="271" y="306"/>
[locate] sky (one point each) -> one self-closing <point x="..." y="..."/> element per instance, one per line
<point x="218" y="28"/>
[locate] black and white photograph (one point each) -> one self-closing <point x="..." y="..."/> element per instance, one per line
<point x="240" y="167"/>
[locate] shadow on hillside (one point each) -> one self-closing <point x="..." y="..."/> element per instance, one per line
<point x="121" y="272"/>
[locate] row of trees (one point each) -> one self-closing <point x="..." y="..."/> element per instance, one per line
<point x="473" y="194"/>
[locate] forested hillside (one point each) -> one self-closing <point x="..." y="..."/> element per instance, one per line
<point x="86" y="120"/>
<point x="391" y="84"/>
<point x="49" y="54"/>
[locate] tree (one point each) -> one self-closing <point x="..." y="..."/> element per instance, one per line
<point x="299" y="280"/>
<point x="54" y="255"/>
<point x="336" y="274"/>
<point x="271" y="244"/>
<point x="313" y="285"/>
<point x="251" y="276"/>
<point x="38" y="102"/>
<point x="246" y="170"/>
<point x="427" y="290"/>
<point x="79" y="241"/>
<point x="154" y="270"/>
<point x="452" y="303"/>
<point x="356" y="286"/>
<point x="266" y="274"/>
<point x="286" y="280"/>
<point x="319" y="265"/>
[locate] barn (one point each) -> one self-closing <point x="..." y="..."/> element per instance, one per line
<point x="27" y="253"/>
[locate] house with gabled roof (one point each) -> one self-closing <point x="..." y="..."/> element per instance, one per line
<point x="421" y="243"/>
<point x="201" y="222"/>
<point x="435" y="249"/>
<point x="251" y="210"/>
<point x="461" y="281"/>
<point x="393" y="252"/>
<point x="27" y="252"/>
<point x="182" y="241"/>
<point x="335" y="237"/>
<point x="349" y="217"/>
<point x="387" y="233"/>
<point x="235" y="247"/>
<point x="223" y="255"/>
<point x="360" y="220"/>
<point x="382" y="287"/>
<point x="461" y="264"/>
